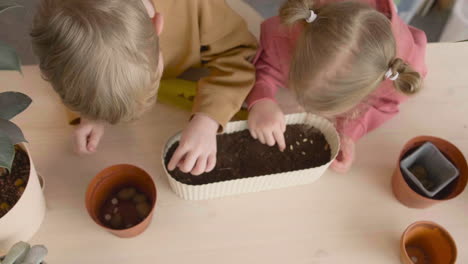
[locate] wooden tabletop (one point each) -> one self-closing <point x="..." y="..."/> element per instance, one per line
<point x="340" y="219"/>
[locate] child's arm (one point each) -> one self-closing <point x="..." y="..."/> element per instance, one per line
<point x="269" y="76"/>
<point x="227" y="50"/>
<point x="352" y="130"/>
<point x="266" y="120"/>
<point x="371" y="118"/>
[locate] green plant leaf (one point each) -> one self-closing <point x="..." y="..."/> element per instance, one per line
<point x="13" y="132"/>
<point x="4" y="6"/>
<point x="7" y="151"/>
<point x="9" y="60"/>
<point x="13" y="103"/>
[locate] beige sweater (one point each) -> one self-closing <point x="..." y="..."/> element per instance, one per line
<point x="210" y="34"/>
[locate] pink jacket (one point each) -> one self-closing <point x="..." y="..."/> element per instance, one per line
<point x="277" y="45"/>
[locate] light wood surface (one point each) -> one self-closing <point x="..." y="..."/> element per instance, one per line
<point x="340" y="219"/>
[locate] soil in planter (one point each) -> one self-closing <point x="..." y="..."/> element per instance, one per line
<point x="241" y="156"/>
<point x="421" y="174"/>
<point x="12" y="183"/>
<point x="125" y="208"/>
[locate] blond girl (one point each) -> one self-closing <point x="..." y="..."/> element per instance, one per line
<point x="351" y="61"/>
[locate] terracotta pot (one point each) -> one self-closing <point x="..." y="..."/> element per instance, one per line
<point x="427" y="243"/>
<point x="25" y="218"/>
<point x="408" y="196"/>
<point x="106" y="182"/>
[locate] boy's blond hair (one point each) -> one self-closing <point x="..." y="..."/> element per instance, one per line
<point x="343" y="55"/>
<point x="101" y="56"/>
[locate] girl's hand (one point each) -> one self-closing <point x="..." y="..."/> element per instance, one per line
<point x="87" y="136"/>
<point x="197" y="147"/>
<point x="345" y="158"/>
<point x="267" y="124"/>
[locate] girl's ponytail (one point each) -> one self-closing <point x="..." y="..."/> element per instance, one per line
<point x="294" y="11"/>
<point x="408" y="81"/>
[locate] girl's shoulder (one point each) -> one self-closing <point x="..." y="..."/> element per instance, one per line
<point x="274" y="28"/>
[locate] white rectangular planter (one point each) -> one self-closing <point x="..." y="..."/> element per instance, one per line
<point x="261" y="182"/>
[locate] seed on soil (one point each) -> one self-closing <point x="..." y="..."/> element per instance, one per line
<point x="327" y="146"/>
<point x="304" y="140"/>
<point x="107" y="217"/>
<point x="291" y="147"/>
<point x="115" y="210"/>
<point x="4" y="206"/>
<point x="297" y="143"/>
<point x="116" y="221"/>
<point x="139" y="198"/>
<point x="311" y="141"/>
<point x="114" y="201"/>
<point x="19" y="182"/>
<point x="126" y="194"/>
<point x="21" y="190"/>
<point x="303" y="153"/>
<point x="143" y="209"/>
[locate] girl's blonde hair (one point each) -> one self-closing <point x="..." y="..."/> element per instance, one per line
<point x="101" y="56"/>
<point x="343" y="55"/>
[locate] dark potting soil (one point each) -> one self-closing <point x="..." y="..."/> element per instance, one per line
<point x="241" y="156"/>
<point x="12" y="183"/>
<point x="421" y="174"/>
<point x="125" y="208"/>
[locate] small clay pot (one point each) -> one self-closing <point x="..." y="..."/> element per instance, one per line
<point x="412" y="199"/>
<point x="427" y="243"/>
<point x="106" y="182"/>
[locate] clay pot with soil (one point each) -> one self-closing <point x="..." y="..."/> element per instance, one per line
<point x="411" y="195"/>
<point x="121" y="199"/>
<point x="22" y="204"/>
<point x="245" y="165"/>
<point x="426" y="242"/>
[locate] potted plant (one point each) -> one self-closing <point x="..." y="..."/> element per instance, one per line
<point x="245" y="165"/>
<point x="405" y="189"/>
<point x="22" y="204"/>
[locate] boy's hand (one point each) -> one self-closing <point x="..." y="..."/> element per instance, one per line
<point x="345" y="158"/>
<point x="197" y="147"/>
<point x="267" y="124"/>
<point x="87" y="136"/>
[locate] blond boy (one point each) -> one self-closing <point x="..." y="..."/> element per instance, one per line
<point x="105" y="59"/>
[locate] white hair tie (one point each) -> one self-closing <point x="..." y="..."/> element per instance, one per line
<point x="312" y="17"/>
<point x="391" y="76"/>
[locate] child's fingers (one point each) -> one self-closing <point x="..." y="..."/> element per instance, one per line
<point x="260" y="137"/>
<point x="200" y="166"/>
<point x="211" y="163"/>
<point x="253" y="134"/>
<point x="176" y="158"/>
<point x="283" y="125"/>
<point x="189" y="162"/>
<point x="339" y="167"/>
<point x="279" y="137"/>
<point x="94" y="139"/>
<point x="270" y="139"/>
<point x="80" y="140"/>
